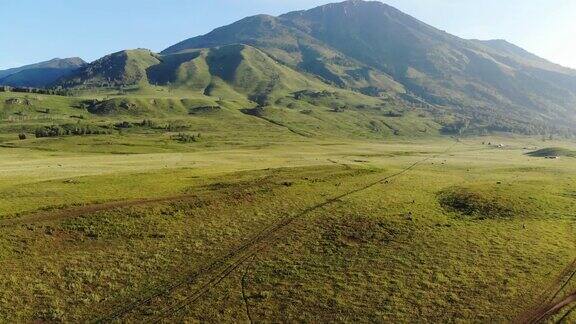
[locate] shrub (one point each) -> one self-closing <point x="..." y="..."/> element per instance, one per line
<point x="123" y="124"/>
<point x="338" y="109"/>
<point x="176" y="126"/>
<point x="393" y="114"/>
<point x="49" y="131"/>
<point x="148" y="123"/>
<point x="22" y="136"/>
<point x="70" y="130"/>
<point x="186" y="138"/>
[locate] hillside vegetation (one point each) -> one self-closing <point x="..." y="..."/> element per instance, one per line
<point x="376" y="49"/>
<point x="361" y="48"/>
<point x="123" y="68"/>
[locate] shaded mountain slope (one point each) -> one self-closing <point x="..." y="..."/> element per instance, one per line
<point x="230" y="71"/>
<point x="242" y="68"/>
<point x="118" y="69"/>
<point x="296" y="49"/>
<point x="40" y="75"/>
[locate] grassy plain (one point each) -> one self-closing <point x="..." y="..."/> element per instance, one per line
<point x="290" y="230"/>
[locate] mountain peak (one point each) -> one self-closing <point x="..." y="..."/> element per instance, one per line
<point x="347" y="7"/>
<point x="357" y="3"/>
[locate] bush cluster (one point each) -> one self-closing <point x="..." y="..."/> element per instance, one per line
<point x="69" y="130"/>
<point x="123" y="125"/>
<point x="59" y="92"/>
<point x="148" y="123"/>
<point x="186" y="138"/>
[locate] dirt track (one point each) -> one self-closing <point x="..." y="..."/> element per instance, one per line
<point x="88" y="209"/>
<point x="197" y="283"/>
<point x="553" y="309"/>
<point x="207" y="278"/>
<point x="547" y="304"/>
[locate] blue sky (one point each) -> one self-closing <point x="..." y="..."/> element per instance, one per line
<point x="37" y="30"/>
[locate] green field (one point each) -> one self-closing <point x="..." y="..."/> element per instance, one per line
<point x="343" y="164"/>
<point x="259" y="223"/>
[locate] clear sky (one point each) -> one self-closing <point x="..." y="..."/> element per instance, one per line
<point x="37" y="30"/>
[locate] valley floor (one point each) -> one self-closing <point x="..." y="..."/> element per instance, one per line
<point x="435" y="230"/>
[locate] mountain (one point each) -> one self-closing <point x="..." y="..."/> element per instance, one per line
<point x="234" y="71"/>
<point x="244" y="81"/>
<point x="362" y="46"/>
<point x="245" y="69"/>
<point x="121" y="68"/>
<point x="40" y="75"/>
<point x="375" y="48"/>
<point x="297" y="50"/>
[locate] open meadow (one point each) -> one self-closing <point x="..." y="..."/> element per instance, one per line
<point x="436" y="229"/>
<point x="347" y="163"/>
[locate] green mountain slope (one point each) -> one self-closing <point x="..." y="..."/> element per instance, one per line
<point x="353" y="48"/>
<point x="494" y="85"/>
<point x="296" y="49"/>
<point x="229" y="72"/>
<point x="40" y="75"/>
<point x="118" y="69"/>
<point x="245" y="79"/>
<point x="239" y="68"/>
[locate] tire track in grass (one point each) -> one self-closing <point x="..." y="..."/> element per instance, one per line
<point x="88" y="209"/>
<point x="547" y="305"/>
<point x="248" y="249"/>
<point x="72" y="212"/>
<point x="219" y="270"/>
<point x="553" y="309"/>
<point x="552" y="291"/>
<point x="243" y="283"/>
<point x="568" y="313"/>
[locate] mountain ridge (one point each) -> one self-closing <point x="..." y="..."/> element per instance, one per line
<point x="477" y="79"/>
<point x="40" y="74"/>
<point x="364" y="46"/>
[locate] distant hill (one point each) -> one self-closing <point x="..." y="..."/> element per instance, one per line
<point x="121" y="68"/>
<point x="40" y="75"/>
<point x="239" y="68"/>
<point x="234" y="71"/>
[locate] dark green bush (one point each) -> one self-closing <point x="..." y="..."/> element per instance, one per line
<point x="148" y="123"/>
<point x="123" y="124"/>
<point x="186" y="138"/>
<point x="70" y="130"/>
